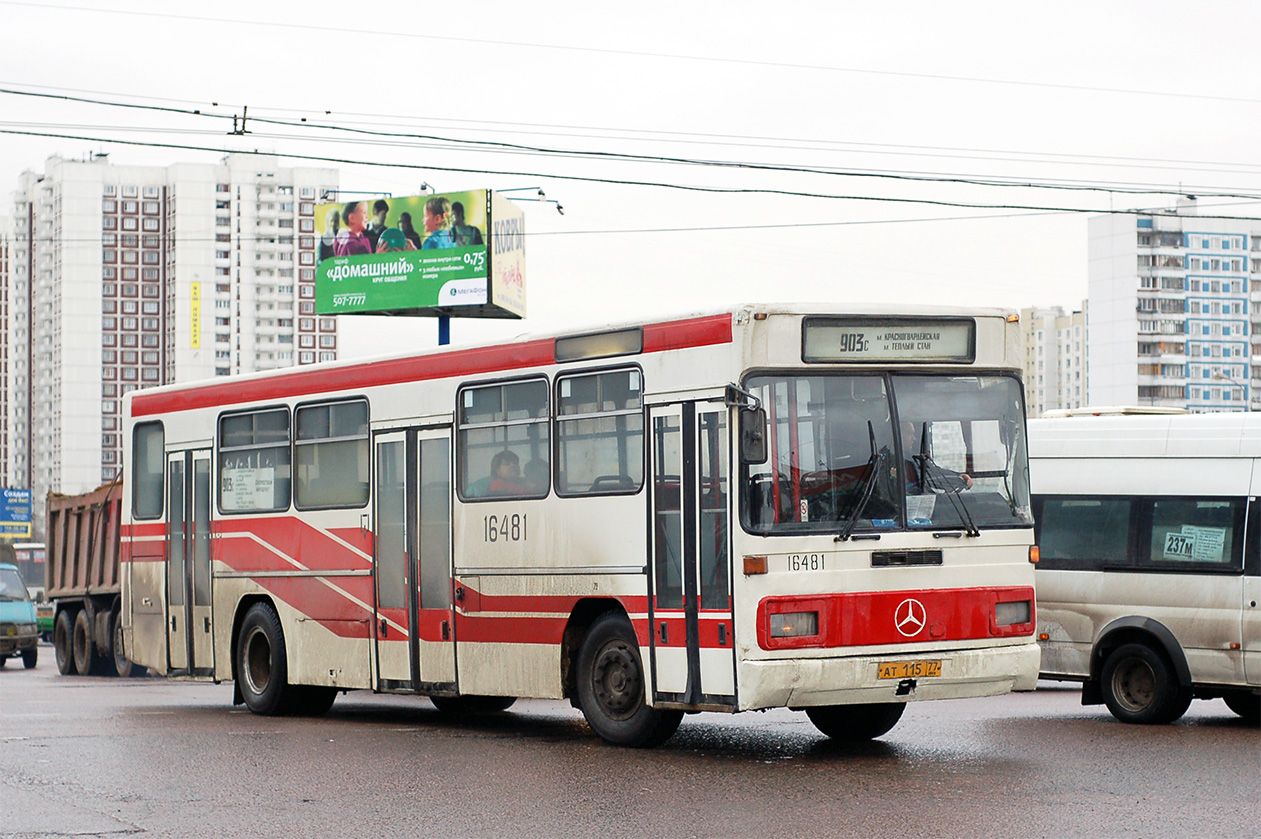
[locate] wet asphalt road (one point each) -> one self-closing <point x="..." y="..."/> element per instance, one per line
<point x="109" y="757"/>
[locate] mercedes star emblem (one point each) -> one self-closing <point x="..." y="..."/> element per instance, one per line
<point x="910" y="617"/>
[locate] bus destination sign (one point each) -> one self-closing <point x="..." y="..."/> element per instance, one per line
<point x="831" y="339"/>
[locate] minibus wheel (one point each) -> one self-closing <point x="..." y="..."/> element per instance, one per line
<point x="1140" y="687"/>
<point x="611" y="687"/>
<point x="856" y="723"/>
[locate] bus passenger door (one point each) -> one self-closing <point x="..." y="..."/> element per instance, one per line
<point x="395" y="643"/>
<point x="189" y="620"/>
<point x="693" y="657"/>
<point x="414" y="630"/>
<point x="435" y="623"/>
<point x="1250" y="612"/>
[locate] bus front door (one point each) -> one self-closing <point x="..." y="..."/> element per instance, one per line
<point x="189" y="617"/>
<point x="693" y="659"/>
<point x="414" y="633"/>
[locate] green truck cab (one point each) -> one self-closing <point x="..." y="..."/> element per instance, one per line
<point x="19" y="634"/>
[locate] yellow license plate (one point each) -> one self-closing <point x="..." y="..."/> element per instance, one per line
<point x="908" y="669"/>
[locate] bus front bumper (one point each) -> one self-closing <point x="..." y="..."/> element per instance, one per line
<point x="811" y="682"/>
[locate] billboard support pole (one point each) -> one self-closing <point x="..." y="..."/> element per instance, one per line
<point x="444" y="330"/>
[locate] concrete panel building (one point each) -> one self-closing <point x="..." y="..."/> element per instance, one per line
<point x="124" y="277"/>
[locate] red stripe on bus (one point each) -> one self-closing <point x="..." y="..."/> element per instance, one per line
<point x="658" y="337"/>
<point x="289" y="535"/>
<point x="895" y="617"/>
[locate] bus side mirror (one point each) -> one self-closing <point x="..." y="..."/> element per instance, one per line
<point x="752" y="436"/>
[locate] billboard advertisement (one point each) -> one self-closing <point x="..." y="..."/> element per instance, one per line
<point x="460" y="254"/>
<point x="15" y="514"/>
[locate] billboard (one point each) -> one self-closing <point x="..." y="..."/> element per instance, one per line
<point x="460" y="254"/>
<point x="15" y="514"/>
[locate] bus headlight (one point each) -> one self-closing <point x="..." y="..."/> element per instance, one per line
<point x="1015" y="612"/>
<point x="794" y="624"/>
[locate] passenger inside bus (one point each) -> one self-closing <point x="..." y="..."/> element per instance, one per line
<point x="505" y="475"/>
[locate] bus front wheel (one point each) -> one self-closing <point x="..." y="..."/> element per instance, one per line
<point x="262" y="669"/>
<point x="611" y="688"/>
<point x="856" y="723"/>
<point x="1140" y="687"/>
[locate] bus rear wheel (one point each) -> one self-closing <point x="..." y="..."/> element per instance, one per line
<point x="262" y="667"/>
<point x="1246" y="704"/>
<point x="63" y="644"/>
<point x="1140" y="687"/>
<point x="611" y="688"/>
<point x="856" y="723"/>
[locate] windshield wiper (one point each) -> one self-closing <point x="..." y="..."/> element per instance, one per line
<point x="869" y="485"/>
<point x="935" y="477"/>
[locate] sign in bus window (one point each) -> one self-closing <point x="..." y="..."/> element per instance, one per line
<point x="1195" y="530"/>
<point x="254" y="469"/>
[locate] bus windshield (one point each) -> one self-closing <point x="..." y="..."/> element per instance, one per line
<point x="869" y="452"/>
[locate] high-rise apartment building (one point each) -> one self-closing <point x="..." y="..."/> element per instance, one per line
<point x="4" y="351"/>
<point x="1171" y="314"/>
<point x="124" y="277"/>
<point x="1055" y="358"/>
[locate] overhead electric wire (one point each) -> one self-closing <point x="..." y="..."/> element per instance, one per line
<point x="696" y="138"/>
<point x="613" y="181"/>
<point x="447" y="142"/>
<point x="342" y="31"/>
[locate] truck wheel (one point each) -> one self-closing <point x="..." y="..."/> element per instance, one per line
<point x="30" y="657"/>
<point x="1140" y="687"/>
<point x="63" y="644"/>
<point x="122" y="664"/>
<point x="611" y="688"/>
<point x="262" y="666"/>
<point x="856" y="723"/>
<point x="4" y="659"/>
<point x="81" y="644"/>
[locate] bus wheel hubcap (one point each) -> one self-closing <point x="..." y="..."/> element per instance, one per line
<point x="617" y="680"/>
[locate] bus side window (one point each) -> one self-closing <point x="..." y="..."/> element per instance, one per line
<point x="503" y="440"/>
<point x="148" y="468"/>
<point x="600" y="433"/>
<point x="331" y="455"/>
<point x="254" y="468"/>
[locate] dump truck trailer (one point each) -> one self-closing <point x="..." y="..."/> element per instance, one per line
<point x="84" y="581"/>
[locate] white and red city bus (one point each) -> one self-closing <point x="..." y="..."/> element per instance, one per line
<point x="765" y="507"/>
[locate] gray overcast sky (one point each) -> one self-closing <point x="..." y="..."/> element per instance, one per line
<point x="1154" y="94"/>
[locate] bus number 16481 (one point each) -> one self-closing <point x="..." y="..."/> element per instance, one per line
<point x="504" y="528"/>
